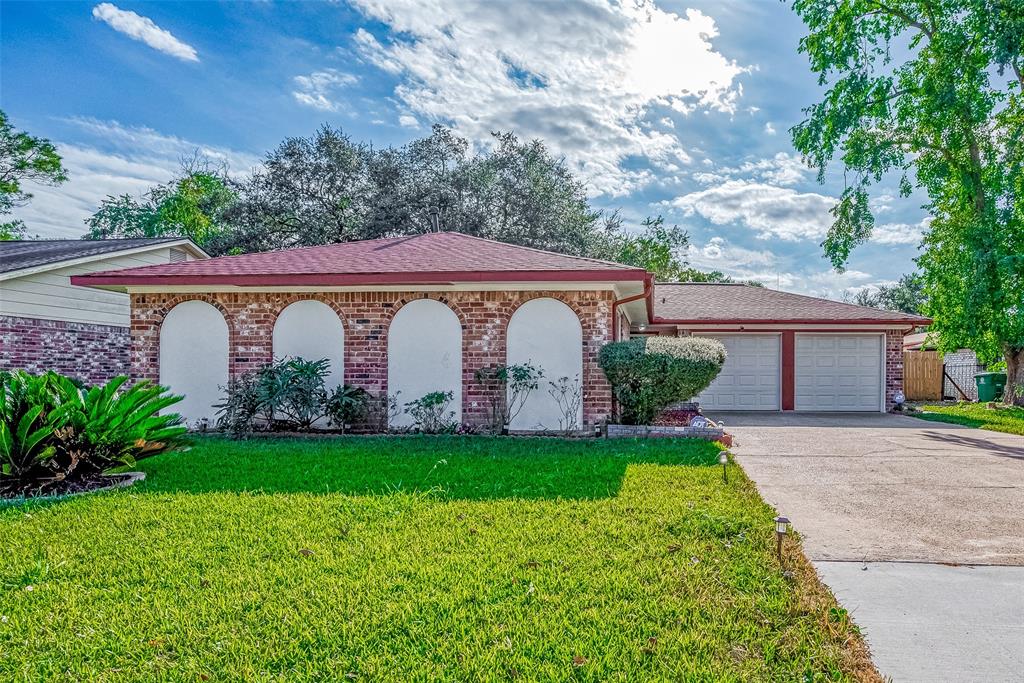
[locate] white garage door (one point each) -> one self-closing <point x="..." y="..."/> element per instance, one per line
<point x="838" y="372"/>
<point x="750" y="377"/>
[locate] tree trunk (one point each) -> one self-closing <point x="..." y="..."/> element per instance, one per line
<point x="1014" y="392"/>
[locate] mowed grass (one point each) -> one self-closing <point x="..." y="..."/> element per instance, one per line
<point x="1001" y="419"/>
<point x="417" y="558"/>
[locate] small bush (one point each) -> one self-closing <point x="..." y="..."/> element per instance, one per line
<point x="54" y="434"/>
<point x="289" y="394"/>
<point x="430" y="413"/>
<point x="507" y="388"/>
<point x="650" y="373"/>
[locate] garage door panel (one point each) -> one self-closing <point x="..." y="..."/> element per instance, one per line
<point x="750" y="377"/>
<point x="837" y="372"/>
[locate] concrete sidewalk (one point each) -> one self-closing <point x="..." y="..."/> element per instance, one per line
<point x="908" y="500"/>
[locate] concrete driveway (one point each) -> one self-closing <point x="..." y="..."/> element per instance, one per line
<point x="918" y="528"/>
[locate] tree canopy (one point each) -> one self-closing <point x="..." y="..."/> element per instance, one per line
<point x="907" y="295"/>
<point x="23" y="157"/>
<point x="930" y="90"/>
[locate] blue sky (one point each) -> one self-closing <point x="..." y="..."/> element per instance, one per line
<point x="673" y="108"/>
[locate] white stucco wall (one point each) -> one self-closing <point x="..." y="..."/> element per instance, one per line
<point x="312" y="330"/>
<point x="194" y="358"/>
<point x="547" y="334"/>
<point x="424" y="355"/>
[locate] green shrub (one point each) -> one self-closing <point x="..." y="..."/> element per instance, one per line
<point x="55" y="433"/>
<point x="430" y="413"/>
<point x="507" y="387"/>
<point x="291" y="394"/>
<point x="650" y="373"/>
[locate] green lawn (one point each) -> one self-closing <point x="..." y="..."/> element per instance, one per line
<point x="1002" y="419"/>
<point x="416" y="558"/>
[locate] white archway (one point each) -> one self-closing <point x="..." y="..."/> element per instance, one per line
<point x="194" y="358"/>
<point x="312" y="330"/>
<point x="424" y="355"/>
<point x="547" y="334"/>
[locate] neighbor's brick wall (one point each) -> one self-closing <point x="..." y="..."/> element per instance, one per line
<point x="893" y="366"/>
<point x="366" y="317"/>
<point x="91" y="353"/>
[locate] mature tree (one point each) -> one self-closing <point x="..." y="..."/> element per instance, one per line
<point x="931" y="90"/>
<point x="23" y="158"/>
<point x="193" y="206"/>
<point x="907" y="295"/>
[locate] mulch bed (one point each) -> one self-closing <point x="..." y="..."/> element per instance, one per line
<point x="96" y="482"/>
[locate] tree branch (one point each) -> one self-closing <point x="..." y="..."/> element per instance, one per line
<point x="892" y="12"/>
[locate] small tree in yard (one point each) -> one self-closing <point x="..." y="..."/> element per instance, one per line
<point x="568" y="395"/>
<point x="651" y="373"/>
<point x="932" y="91"/>
<point x="430" y="413"/>
<point x="508" y="387"/>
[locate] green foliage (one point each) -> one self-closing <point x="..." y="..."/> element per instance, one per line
<point x="508" y="387"/>
<point x="568" y="395"/>
<point x="346" y="405"/>
<point x="931" y="92"/>
<point x="55" y="433"/>
<point x="650" y="373"/>
<point x="23" y="158"/>
<point x="907" y="295"/>
<point x="290" y="393"/>
<point x="430" y="414"/>
<point x="999" y="419"/>
<point x="193" y="206"/>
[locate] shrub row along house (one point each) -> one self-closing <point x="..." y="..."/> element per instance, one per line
<point x="408" y="316"/>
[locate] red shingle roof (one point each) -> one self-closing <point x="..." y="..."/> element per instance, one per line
<point x="729" y="303"/>
<point x="421" y="259"/>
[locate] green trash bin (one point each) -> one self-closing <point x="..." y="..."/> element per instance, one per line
<point x="990" y="385"/>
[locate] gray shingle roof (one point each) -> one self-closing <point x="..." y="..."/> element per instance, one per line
<point x="22" y="254"/>
<point x="726" y="303"/>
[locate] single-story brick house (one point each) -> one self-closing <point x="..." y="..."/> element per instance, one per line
<point x="423" y="313"/>
<point x="48" y="323"/>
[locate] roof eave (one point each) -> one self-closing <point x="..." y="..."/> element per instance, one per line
<point x="355" y="279"/>
<point x="915" y="321"/>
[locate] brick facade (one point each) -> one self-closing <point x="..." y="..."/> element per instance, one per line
<point x="366" y="316"/>
<point x="91" y="353"/>
<point x="893" y="366"/>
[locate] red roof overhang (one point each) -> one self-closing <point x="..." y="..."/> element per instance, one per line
<point x="354" y="279"/>
<point x="795" y="321"/>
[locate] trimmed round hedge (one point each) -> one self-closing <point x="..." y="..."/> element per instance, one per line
<point x="648" y="374"/>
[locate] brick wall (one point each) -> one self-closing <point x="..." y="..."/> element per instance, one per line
<point x="92" y="353"/>
<point x="893" y="366"/>
<point x="366" y="316"/>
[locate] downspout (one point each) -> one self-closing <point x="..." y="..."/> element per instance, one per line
<point x="646" y="294"/>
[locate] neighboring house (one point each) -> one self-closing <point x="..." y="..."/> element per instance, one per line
<point x="411" y="315"/>
<point x="48" y="323"/>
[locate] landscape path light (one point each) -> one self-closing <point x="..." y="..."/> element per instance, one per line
<point x="781" y="529"/>
<point x="723" y="459"/>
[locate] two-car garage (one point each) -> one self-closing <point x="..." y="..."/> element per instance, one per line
<point x="830" y="372"/>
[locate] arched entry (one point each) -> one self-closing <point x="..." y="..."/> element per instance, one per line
<point x="424" y="355"/>
<point x="547" y="334"/>
<point x="194" y="358"/>
<point x="312" y="330"/>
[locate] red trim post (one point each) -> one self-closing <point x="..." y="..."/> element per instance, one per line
<point x="788" y="370"/>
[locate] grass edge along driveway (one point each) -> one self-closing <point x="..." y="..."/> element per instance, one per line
<point x="1006" y="419"/>
<point x="417" y="558"/>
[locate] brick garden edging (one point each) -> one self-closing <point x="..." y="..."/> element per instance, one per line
<point x="668" y="431"/>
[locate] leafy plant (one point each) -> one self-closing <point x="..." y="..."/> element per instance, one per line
<point x="430" y="413"/>
<point x="650" y="373"/>
<point x="54" y="431"/>
<point x="508" y="387"/>
<point x="568" y="395"/>
<point x="347" y="404"/>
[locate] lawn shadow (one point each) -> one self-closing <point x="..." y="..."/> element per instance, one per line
<point x="446" y="467"/>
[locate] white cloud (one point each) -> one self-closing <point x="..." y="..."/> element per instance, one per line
<point x="408" y="121"/>
<point x="900" y="233"/>
<point x="719" y="254"/>
<point x="143" y="29"/>
<point x="769" y="129"/>
<point x="582" y="76"/>
<point x="116" y="160"/>
<point x="319" y="89"/>
<point x="769" y="210"/>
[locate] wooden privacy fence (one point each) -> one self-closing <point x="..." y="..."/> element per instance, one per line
<point x="922" y="376"/>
